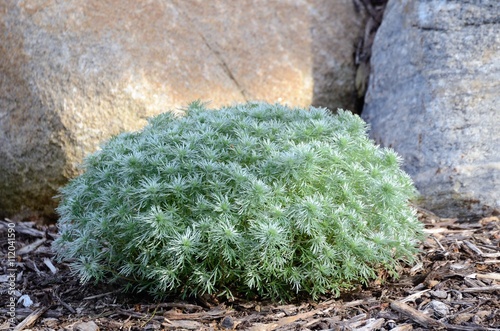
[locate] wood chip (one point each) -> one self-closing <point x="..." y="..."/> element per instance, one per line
<point x="404" y="327"/>
<point x="491" y="275"/>
<point x="86" y="326"/>
<point x="30" y="319"/>
<point x="473" y="247"/>
<point x="24" y="228"/>
<point x="31" y="247"/>
<point x="414" y="296"/>
<point x="458" y="268"/>
<point x="283" y="321"/>
<point x="205" y="315"/>
<point x="415" y="315"/>
<point x="50" y="265"/>
<point x="372" y="324"/>
<point x="482" y="289"/>
<point x="183" y="325"/>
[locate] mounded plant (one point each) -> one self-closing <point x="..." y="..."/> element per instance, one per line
<point x="254" y="199"/>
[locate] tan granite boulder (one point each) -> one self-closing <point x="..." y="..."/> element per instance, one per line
<point x="76" y="72"/>
<point x="434" y="96"/>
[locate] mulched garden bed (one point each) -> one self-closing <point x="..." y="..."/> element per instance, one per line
<point x="455" y="286"/>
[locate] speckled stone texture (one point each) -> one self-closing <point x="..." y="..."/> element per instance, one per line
<point x="76" y="72"/>
<point x="434" y="96"/>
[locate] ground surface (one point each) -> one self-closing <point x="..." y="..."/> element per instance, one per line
<point x="456" y="286"/>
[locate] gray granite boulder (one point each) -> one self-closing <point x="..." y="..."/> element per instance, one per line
<point x="434" y="96"/>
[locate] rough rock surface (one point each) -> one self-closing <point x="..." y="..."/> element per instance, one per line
<point x="433" y="96"/>
<point x="76" y="72"/>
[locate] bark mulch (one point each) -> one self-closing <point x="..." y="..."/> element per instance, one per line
<point x="455" y="286"/>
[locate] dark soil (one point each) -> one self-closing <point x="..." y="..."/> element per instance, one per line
<point x="455" y="286"/>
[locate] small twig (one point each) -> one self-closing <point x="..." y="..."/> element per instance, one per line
<point x="149" y="320"/>
<point x="482" y="289"/>
<point x="208" y="315"/>
<point x="131" y="314"/>
<point x="492" y="255"/>
<point x="99" y="295"/>
<point x="491" y="275"/>
<point x="182" y="305"/>
<point x="31" y="318"/>
<point x="441" y="246"/>
<point x="67" y="306"/>
<point x="414" y="296"/>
